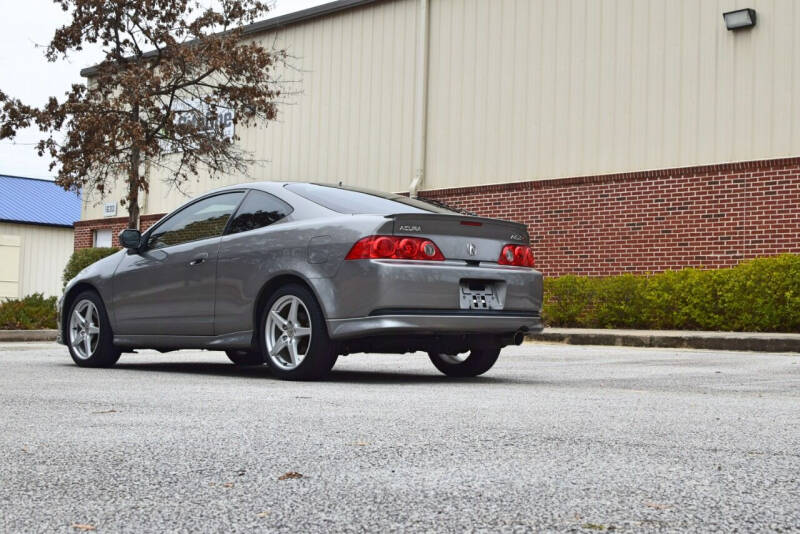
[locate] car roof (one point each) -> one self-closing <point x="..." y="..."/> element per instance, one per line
<point x="277" y="189"/>
<point x="262" y="185"/>
<point x="266" y="186"/>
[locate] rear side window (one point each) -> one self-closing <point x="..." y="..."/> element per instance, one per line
<point x="258" y="210"/>
<point x="361" y="201"/>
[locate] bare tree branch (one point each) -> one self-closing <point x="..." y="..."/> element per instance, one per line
<point x="166" y="108"/>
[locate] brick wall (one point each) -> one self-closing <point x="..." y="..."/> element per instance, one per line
<point x="710" y="216"/>
<point x="84" y="230"/>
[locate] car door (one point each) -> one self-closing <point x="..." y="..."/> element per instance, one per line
<point x="167" y="287"/>
<point x="246" y="259"/>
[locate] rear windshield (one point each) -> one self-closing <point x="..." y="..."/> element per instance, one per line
<point x="362" y="201"/>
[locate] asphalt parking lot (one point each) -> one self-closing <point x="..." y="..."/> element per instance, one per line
<point x="554" y="438"/>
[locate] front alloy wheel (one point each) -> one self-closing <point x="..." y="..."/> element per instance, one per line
<point x="89" y="336"/>
<point x="84" y="329"/>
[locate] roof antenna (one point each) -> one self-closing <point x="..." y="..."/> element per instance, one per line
<point x="340" y="183"/>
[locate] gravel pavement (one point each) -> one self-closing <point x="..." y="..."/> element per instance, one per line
<point x="554" y="438"/>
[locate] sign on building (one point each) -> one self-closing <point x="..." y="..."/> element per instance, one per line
<point x="204" y="119"/>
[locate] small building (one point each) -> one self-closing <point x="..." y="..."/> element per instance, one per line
<point x="36" y="235"/>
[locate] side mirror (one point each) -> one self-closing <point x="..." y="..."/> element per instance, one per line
<point x="130" y="239"/>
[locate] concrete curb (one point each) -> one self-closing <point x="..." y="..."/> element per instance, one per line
<point x="751" y="341"/>
<point x="28" y="335"/>
<point x="581" y="336"/>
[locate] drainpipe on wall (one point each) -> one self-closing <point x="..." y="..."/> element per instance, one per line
<point x="421" y="100"/>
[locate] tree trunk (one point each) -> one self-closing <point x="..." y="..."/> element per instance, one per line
<point x="133" y="181"/>
<point x="133" y="190"/>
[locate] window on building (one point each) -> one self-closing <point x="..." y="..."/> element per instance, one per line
<point x="204" y="219"/>
<point x="102" y="238"/>
<point x="258" y="210"/>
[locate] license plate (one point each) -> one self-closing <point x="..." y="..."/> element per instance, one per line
<point x="475" y="295"/>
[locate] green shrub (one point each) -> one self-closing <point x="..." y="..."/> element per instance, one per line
<point x="761" y="295"/>
<point x="34" y="312"/>
<point x="568" y="300"/>
<point x="83" y="258"/>
<point x="620" y="302"/>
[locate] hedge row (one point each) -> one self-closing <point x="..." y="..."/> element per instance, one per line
<point x="34" y="312"/>
<point x="761" y="295"/>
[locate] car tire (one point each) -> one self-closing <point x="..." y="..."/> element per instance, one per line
<point x="295" y="347"/>
<point x="245" y="357"/>
<point x="87" y="317"/>
<point x="479" y="360"/>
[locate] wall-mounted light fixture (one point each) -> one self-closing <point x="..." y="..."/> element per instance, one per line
<point x="740" y="19"/>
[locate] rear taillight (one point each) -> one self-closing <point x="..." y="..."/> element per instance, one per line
<point x="378" y="247"/>
<point x="518" y="255"/>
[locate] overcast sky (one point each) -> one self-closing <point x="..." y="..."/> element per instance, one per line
<point x="24" y="72"/>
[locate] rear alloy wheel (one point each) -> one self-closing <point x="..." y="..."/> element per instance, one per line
<point x="294" y="336"/>
<point x="476" y="362"/>
<point x="245" y="357"/>
<point x="89" y="336"/>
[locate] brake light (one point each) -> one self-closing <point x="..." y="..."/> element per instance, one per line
<point x="377" y="247"/>
<point x="517" y="255"/>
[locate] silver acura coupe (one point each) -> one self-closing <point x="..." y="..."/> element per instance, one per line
<point x="293" y="275"/>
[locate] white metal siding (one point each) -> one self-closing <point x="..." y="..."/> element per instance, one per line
<point x="44" y="253"/>
<point x="353" y="120"/>
<point x="351" y="117"/>
<point x="526" y="90"/>
<point x="532" y="89"/>
<point x="9" y="266"/>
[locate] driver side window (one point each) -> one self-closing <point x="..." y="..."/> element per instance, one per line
<point x="201" y="220"/>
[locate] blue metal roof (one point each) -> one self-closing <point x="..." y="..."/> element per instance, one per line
<point x="33" y="201"/>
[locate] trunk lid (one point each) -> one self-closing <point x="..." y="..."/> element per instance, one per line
<point x="462" y="237"/>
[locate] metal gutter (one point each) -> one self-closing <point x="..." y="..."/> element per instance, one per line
<point x="36" y="223"/>
<point x="26" y="178"/>
<point x="280" y="22"/>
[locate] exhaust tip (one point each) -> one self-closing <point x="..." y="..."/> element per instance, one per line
<point x="519" y="337"/>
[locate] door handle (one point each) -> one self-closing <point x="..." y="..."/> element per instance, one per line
<point x="199" y="259"/>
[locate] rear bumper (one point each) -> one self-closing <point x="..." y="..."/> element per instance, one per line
<point x="361" y="287"/>
<point x="434" y="323"/>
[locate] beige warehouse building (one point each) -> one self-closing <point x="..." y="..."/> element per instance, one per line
<point x="630" y="135"/>
<point x="36" y="235"/>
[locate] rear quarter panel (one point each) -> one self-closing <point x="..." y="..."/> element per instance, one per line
<point x="311" y="249"/>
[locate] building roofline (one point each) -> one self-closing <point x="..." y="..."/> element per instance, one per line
<point x="35" y="223"/>
<point x="280" y="22"/>
<point x="26" y="178"/>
